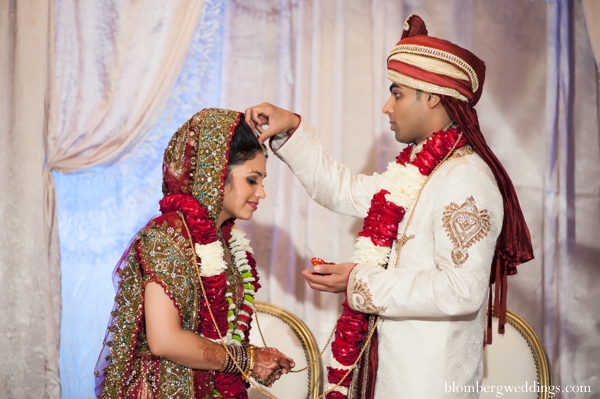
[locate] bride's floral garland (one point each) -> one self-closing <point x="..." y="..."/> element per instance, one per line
<point x="213" y="266"/>
<point x="400" y="185"/>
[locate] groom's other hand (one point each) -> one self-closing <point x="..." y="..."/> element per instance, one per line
<point x="267" y="120"/>
<point x="329" y="278"/>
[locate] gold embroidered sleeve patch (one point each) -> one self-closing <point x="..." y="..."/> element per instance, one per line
<point x="465" y="225"/>
<point x="361" y="298"/>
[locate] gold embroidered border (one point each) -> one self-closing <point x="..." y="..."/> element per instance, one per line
<point x="417" y="84"/>
<point x="439" y="54"/>
<point x="168" y="256"/>
<point x="128" y="310"/>
<point x="462" y="152"/>
<point x="465" y="225"/>
<point x="214" y="129"/>
<point x="177" y="381"/>
<point x="360" y="297"/>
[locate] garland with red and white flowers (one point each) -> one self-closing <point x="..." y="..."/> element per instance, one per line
<point x="400" y="186"/>
<point x="213" y="268"/>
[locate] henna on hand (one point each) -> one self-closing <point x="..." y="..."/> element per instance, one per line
<point x="270" y="364"/>
<point x="214" y="354"/>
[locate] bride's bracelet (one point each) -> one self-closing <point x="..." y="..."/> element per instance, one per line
<point x="248" y="371"/>
<point x="243" y="356"/>
<point x="234" y="354"/>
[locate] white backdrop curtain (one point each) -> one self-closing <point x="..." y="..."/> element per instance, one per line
<point x="101" y="208"/>
<point x="29" y="327"/>
<point x="591" y="10"/>
<point x="539" y="112"/>
<point x="107" y="67"/>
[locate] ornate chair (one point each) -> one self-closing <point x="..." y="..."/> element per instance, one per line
<point x="286" y="332"/>
<point x="516" y="361"/>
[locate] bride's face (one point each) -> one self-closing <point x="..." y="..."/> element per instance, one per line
<point x="244" y="189"/>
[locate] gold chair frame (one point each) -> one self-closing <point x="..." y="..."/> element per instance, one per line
<point x="306" y="338"/>
<point x="542" y="364"/>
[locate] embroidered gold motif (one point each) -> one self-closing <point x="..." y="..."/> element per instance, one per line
<point x="361" y="297"/>
<point x="462" y="151"/>
<point x="465" y="225"/>
<point x="167" y="259"/>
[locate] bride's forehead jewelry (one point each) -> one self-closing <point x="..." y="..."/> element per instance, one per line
<point x="264" y="150"/>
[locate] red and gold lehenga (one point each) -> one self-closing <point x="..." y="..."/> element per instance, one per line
<point x="166" y="251"/>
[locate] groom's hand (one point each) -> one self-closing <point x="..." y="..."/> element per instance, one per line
<point x="267" y="120"/>
<point x="329" y="278"/>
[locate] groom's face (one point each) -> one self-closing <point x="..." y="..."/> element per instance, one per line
<point x="407" y="110"/>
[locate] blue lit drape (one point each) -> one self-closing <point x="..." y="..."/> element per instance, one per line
<point x="100" y="209"/>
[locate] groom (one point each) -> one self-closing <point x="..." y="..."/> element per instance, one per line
<point x="442" y="226"/>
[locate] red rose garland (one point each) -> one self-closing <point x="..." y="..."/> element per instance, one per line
<point x="203" y="232"/>
<point x="381" y="227"/>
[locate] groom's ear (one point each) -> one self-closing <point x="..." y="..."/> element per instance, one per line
<point x="433" y="100"/>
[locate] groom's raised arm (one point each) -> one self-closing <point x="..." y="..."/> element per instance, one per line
<point x="297" y="144"/>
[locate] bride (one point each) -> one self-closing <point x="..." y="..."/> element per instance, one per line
<point x="186" y="284"/>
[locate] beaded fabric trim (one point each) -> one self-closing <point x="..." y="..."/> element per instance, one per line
<point x="417" y="84"/>
<point x="439" y="54"/>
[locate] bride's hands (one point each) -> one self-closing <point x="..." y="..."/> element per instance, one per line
<point x="269" y="365"/>
<point x="278" y="120"/>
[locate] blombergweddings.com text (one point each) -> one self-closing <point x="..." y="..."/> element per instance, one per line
<point x="510" y="390"/>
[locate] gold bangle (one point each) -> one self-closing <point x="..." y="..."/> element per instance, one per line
<point x="248" y="373"/>
<point x="227" y="361"/>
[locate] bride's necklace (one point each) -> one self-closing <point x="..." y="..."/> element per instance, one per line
<point x="234" y="278"/>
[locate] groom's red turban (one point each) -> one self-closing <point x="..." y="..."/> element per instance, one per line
<point x="434" y="65"/>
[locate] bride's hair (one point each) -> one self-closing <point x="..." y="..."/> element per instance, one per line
<point x="244" y="145"/>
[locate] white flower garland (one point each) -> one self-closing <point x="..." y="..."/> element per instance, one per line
<point x="403" y="183"/>
<point x="212" y="258"/>
<point x="333" y="387"/>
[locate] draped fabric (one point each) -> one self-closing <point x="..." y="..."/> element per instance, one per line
<point x="591" y="11"/>
<point x="83" y="81"/>
<point x="117" y="201"/>
<point x="571" y="198"/>
<point x="113" y="65"/>
<point x="326" y="61"/>
<point x="538" y="112"/>
<point x="30" y="306"/>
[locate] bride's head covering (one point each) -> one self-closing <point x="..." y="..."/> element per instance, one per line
<point x="200" y="153"/>
<point x="197" y="157"/>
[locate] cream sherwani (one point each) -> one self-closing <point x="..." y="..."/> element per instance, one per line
<point x="432" y="302"/>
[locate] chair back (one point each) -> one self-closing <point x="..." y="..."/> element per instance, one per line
<point x="286" y="332"/>
<point x="516" y="363"/>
